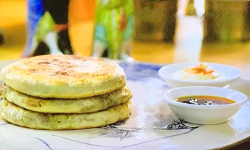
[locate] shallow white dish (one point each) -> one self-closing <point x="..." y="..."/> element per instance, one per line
<point x="204" y="114"/>
<point x="231" y="74"/>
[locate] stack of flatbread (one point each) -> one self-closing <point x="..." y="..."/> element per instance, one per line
<point x="56" y="92"/>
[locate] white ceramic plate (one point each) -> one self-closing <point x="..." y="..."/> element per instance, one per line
<point x="231" y="74"/>
<point x="151" y="125"/>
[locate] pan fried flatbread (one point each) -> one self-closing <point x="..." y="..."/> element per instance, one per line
<point x="83" y="105"/>
<point x="30" y="119"/>
<point x="63" y="76"/>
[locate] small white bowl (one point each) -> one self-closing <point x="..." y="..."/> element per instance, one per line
<point x="231" y="74"/>
<point x="204" y="114"/>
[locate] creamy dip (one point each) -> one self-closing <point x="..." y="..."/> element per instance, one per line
<point x="199" y="72"/>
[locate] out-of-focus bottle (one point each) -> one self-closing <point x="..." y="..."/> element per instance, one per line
<point x="227" y="21"/>
<point x="47" y="28"/>
<point x="155" y="20"/>
<point x="113" y="29"/>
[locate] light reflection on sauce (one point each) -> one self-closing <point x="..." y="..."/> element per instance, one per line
<point x="205" y="100"/>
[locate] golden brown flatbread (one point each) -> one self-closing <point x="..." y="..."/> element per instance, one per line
<point x="63" y="76"/>
<point x="30" y="119"/>
<point x="82" y="105"/>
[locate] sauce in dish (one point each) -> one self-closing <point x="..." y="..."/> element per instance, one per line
<point x="205" y="100"/>
<point x="199" y="72"/>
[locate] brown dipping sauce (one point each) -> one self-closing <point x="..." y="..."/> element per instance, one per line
<point x="205" y="100"/>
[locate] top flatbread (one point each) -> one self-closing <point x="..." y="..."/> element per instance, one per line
<point x="63" y="76"/>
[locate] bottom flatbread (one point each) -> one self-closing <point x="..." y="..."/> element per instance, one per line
<point x="30" y="119"/>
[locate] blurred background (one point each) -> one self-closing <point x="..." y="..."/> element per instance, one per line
<point x="165" y="31"/>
